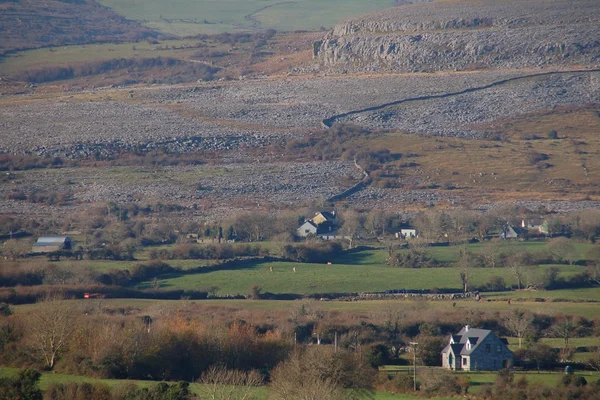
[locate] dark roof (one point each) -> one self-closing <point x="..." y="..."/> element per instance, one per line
<point x="329" y="216"/>
<point x="456" y="348"/>
<point x="472" y="335"/>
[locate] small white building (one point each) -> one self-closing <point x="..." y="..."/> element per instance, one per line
<point x="407" y="234"/>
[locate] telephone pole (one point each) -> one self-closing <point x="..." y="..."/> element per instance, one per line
<point x="414" y="349"/>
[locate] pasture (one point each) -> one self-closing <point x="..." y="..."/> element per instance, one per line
<point x="345" y="278"/>
<point x="259" y="393"/>
<point x="478" y="380"/>
<point x="78" y="54"/>
<point x="368" y="309"/>
<point x="191" y="17"/>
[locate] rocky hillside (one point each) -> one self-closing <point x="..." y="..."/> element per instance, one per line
<point x="466" y="35"/>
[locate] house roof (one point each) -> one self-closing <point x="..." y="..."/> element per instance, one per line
<point x="456" y="348"/>
<point x="308" y="222"/>
<point x="52" y="240"/>
<point x="458" y="342"/>
<point x="328" y="216"/>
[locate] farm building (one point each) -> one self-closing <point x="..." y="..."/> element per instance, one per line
<point x="50" y="244"/>
<point x="474" y="349"/>
<point x="406" y="234"/>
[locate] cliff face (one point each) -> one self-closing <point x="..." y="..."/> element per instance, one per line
<point x="466" y="35"/>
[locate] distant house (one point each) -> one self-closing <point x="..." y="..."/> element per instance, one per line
<point x="535" y="224"/>
<point x="50" y="244"/>
<point x="323" y="223"/>
<point x="474" y="349"/>
<point x="307" y="228"/>
<point x="532" y="224"/>
<point x="508" y="233"/>
<point x="406" y="234"/>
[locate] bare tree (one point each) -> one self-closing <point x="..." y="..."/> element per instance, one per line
<point x="50" y="326"/>
<point x="466" y="263"/>
<point x="593" y="273"/>
<point x="594" y="360"/>
<point x="492" y="252"/>
<point x="13" y="249"/>
<point x="428" y="225"/>
<point x="352" y="226"/>
<point x="321" y="373"/>
<point x="515" y="263"/>
<point x="519" y="323"/>
<point x="562" y="249"/>
<point x="220" y="383"/>
<point x="563" y="328"/>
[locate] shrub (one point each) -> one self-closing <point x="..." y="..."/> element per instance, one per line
<point x="413" y="259"/>
<point x="400" y="383"/>
<point x="378" y="355"/>
<point x="495" y="284"/>
<point x="313" y="253"/>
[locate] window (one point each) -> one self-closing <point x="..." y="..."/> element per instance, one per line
<point x="488" y="348"/>
<point x="464" y="361"/>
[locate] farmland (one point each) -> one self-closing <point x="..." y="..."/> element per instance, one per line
<point x="179" y="145"/>
<point x="315" y="278"/>
<point x="188" y="17"/>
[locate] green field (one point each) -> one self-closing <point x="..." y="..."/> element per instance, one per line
<point x="321" y="278"/>
<point x="191" y="17"/>
<point x="586" y="294"/>
<point x="478" y="380"/>
<point x="73" y="55"/>
<point x="261" y="393"/>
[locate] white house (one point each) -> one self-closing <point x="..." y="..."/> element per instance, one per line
<point x="474" y="349"/>
<point x="307" y="228"/>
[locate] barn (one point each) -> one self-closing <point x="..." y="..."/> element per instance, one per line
<point x="50" y="244"/>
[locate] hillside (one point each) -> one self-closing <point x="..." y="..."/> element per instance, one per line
<point x="465" y="35"/>
<point x="27" y="24"/>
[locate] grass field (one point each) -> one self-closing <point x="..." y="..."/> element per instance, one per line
<point x="261" y="393"/>
<point x="70" y="55"/>
<point x="585" y="294"/>
<point x="190" y="17"/>
<point x="363" y="309"/>
<point x="479" y="380"/>
<point x="361" y="271"/>
<point x="322" y="278"/>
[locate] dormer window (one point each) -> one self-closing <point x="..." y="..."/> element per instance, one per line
<point x="468" y="345"/>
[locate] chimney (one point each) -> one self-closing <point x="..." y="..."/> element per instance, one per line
<point x="466" y="328"/>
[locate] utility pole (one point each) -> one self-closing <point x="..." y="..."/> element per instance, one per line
<point x="335" y="342"/>
<point x="414" y="344"/>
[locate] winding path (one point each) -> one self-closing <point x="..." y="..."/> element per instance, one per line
<point x="328" y="122"/>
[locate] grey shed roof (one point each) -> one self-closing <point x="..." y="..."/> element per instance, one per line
<point x="51" y="240"/>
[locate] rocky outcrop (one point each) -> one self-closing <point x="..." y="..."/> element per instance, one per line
<point x="463" y="36"/>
